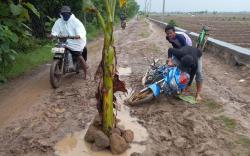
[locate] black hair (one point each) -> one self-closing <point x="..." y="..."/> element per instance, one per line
<point x="169" y="27"/>
<point x="187" y="61"/>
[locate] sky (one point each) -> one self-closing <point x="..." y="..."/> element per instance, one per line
<point x="198" y="5"/>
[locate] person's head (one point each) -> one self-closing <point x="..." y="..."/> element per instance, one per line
<point x="187" y="62"/>
<point x="170" y="32"/>
<point x="66" y="12"/>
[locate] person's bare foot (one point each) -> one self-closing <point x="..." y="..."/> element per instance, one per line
<point x="198" y="97"/>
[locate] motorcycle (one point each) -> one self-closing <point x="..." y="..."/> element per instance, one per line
<point x="63" y="62"/>
<point x="123" y="24"/>
<point x="160" y="79"/>
<point x="154" y="73"/>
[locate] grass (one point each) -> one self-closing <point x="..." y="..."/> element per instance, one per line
<point x="93" y="34"/>
<point x="230" y="124"/>
<point x="212" y="105"/>
<point x="155" y="48"/>
<point x="27" y="61"/>
<point x="144" y="34"/>
<point x="244" y="141"/>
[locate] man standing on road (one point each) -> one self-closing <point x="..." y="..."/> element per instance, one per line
<point x="188" y="59"/>
<point x="70" y="27"/>
<point x="177" y="39"/>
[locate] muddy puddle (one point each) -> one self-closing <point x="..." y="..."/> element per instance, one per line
<point x="74" y="144"/>
<point x="124" y="71"/>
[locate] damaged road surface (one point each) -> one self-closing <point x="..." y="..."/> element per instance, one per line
<point x="38" y="117"/>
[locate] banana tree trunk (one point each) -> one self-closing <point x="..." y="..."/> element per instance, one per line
<point x="106" y="88"/>
<point x="110" y="82"/>
<point x="108" y="75"/>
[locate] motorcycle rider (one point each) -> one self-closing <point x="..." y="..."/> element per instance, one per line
<point x="72" y="29"/>
<point x="188" y="59"/>
<point x="123" y="19"/>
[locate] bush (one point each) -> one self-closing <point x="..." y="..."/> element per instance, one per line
<point x="172" y="23"/>
<point x="13" y="28"/>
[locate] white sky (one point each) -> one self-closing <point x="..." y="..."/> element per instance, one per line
<point x="198" y="5"/>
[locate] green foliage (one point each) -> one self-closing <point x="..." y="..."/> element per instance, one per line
<point x="172" y="23"/>
<point x="32" y="8"/>
<point x="212" y="105"/>
<point x="49" y="24"/>
<point x="144" y="34"/>
<point x="230" y="124"/>
<point x="12" y="31"/>
<point x="244" y="141"/>
<point x="7" y="54"/>
<point x="27" y="61"/>
<point x="132" y="8"/>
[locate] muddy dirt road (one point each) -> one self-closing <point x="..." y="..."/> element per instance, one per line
<point x="34" y="117"/>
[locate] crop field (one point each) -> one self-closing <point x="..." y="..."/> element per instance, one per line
<point x="229" y="27"/>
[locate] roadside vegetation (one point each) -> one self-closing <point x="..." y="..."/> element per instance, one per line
<point x="24" y="27"/>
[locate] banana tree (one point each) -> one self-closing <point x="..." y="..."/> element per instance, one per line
<point x="109" y="80"/>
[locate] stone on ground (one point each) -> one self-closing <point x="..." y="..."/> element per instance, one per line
<point x="128" y="135"/>
<point x="90" y="134"/>
<point x="118" y="144"/>
<point x="117" y="131"/>
<point x="101" y="140"/>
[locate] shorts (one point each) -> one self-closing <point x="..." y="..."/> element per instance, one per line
<point x="80" y="53"/>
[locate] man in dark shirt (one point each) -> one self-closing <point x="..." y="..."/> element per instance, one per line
<point x="177" y="39"/>
<point x="188" y="59"/>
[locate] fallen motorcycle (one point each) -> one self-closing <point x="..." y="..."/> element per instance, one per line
<point x="160" y="80"/>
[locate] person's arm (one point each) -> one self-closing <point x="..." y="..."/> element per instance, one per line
<point x="55" y="29"/>
<point x="181" y="39"/>
<point x="177" y="53"/>
<point x="192" y="74"/>
<point x="80" y="31"/>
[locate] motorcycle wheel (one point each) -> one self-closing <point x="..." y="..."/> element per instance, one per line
<point x="141" y="97"/>
<point x="123" y="25"/>
<point x="55" y="74"/>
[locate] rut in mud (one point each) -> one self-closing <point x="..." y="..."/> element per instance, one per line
<point x="219" y="125"/>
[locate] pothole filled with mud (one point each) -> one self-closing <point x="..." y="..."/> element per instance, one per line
<point x="74" y="144"/>
<point x="124" y="71"/>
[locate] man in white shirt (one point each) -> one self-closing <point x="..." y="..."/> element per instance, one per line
<point x="70" y="27"/>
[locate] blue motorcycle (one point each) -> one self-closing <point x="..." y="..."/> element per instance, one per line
<point x="170" y="81"/>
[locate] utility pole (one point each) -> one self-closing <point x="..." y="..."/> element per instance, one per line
<point x="150" y="2"/>
<point x="145" y="8"/>
<point x="163" y="10"/>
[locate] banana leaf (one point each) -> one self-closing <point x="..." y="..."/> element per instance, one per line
<point x="189" y="99"/>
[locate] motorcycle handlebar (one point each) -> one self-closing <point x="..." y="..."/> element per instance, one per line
<point x="63" y="37"/>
